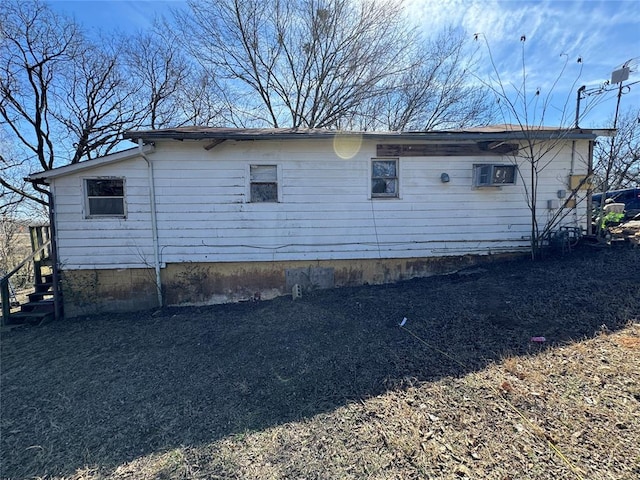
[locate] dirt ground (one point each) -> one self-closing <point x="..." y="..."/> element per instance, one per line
<point x="329" y="386"/>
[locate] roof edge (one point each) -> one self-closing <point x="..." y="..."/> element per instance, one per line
<point x="490" y="133"/>
<point x="89" y="164"/>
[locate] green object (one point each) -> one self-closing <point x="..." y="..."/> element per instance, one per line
<point x="611" y="218"/>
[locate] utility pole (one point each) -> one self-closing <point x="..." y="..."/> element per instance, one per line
<point x="617" y="77"/>
<point x="580" y="92"/>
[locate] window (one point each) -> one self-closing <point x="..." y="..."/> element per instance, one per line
<point x="384" y="178"/>
<point x="494" y="175"/>
<point x="104" y="197"/>
<point x="264" y="183"/>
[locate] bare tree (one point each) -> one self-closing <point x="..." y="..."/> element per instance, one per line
<point x="13" y="188"/>
<point x="437" y="92"/>
<point x="99" y="101"/>
<point x="161" y="71"/>
<point x="15" y="247"/>
<point x="12" y="171"/>
<point x="526" y="110"/>
<point x="175" y="90"/>
<point x="36" y="46"/>
<point x="307" y="63"/>
<point x="204" y="102"/>
<point x="62" y="98"/>
<point x="617" y="159"/>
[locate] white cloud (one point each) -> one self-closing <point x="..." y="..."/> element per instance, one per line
<point x="603" y="33"/>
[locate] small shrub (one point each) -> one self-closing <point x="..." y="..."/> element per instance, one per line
<point x="611" y="219"/>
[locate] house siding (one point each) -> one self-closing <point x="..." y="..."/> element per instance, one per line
<point x="104" y="243"/>
<point x="324" y="213"/>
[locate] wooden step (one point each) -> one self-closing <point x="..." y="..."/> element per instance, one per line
<point x="37" y="296"/>
<point x="46" y="262"/>
<point x="43" y="287"/>
<point x="35" y="318"/>
<point x="38" y="306"/>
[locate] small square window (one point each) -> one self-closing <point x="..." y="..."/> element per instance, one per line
<point x="105" y="197"/>
<point x="264" y="183"/>
<point x="384" y="178"/>
<point x="490" y="175"/>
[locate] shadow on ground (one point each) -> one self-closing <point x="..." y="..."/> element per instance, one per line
<point x="102" y="391"/>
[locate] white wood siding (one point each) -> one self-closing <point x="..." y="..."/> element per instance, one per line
<point x="324" y="209"/>
<point x="104" y="242"/>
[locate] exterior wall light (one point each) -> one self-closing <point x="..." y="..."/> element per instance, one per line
<point x="444" y="178"/>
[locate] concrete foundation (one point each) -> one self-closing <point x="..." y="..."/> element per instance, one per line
<point x="88" y="292"/>
<point x="98" y="291"/>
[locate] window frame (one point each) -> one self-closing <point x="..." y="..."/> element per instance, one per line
<point x="372" y="194"/>
<point x="477" y="173"/>
<point x="278" y="182"/>
<point x="87" y="198"/>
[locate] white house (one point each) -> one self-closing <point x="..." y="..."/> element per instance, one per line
<point x="207" y="215"/>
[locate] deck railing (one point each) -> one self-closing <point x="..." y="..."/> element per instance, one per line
<point x="37" y="257"/>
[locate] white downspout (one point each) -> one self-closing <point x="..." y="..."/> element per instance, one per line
<point x="154" y="222"/>
<point x="571" y="172"/>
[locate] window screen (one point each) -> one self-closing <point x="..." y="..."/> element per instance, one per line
<point x="384" y="178"/>
<point x="105" y="197"/>
<point x="264" y="183"/>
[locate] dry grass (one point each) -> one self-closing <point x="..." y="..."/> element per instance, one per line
<point x="330" y="387"/>
<point x="15" y="246"/>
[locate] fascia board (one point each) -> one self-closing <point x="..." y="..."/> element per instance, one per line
<point x="90" y="164"/>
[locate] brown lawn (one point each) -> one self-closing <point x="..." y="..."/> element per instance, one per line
<point x="329" y="386"/>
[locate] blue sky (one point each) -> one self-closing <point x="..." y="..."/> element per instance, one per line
<point x="603" y="33"/>
<point x="108" y="15"/>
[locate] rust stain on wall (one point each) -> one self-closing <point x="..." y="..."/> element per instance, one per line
<point x="112" y="290"/>
<point x="201" y="283"/>
<point x="95" y="291"/>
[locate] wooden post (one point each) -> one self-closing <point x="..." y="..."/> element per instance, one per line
<point x="6" y="300"/>
<point x="36" y="243"/>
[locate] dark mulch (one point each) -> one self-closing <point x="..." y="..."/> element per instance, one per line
<point x="85" y="396"/>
